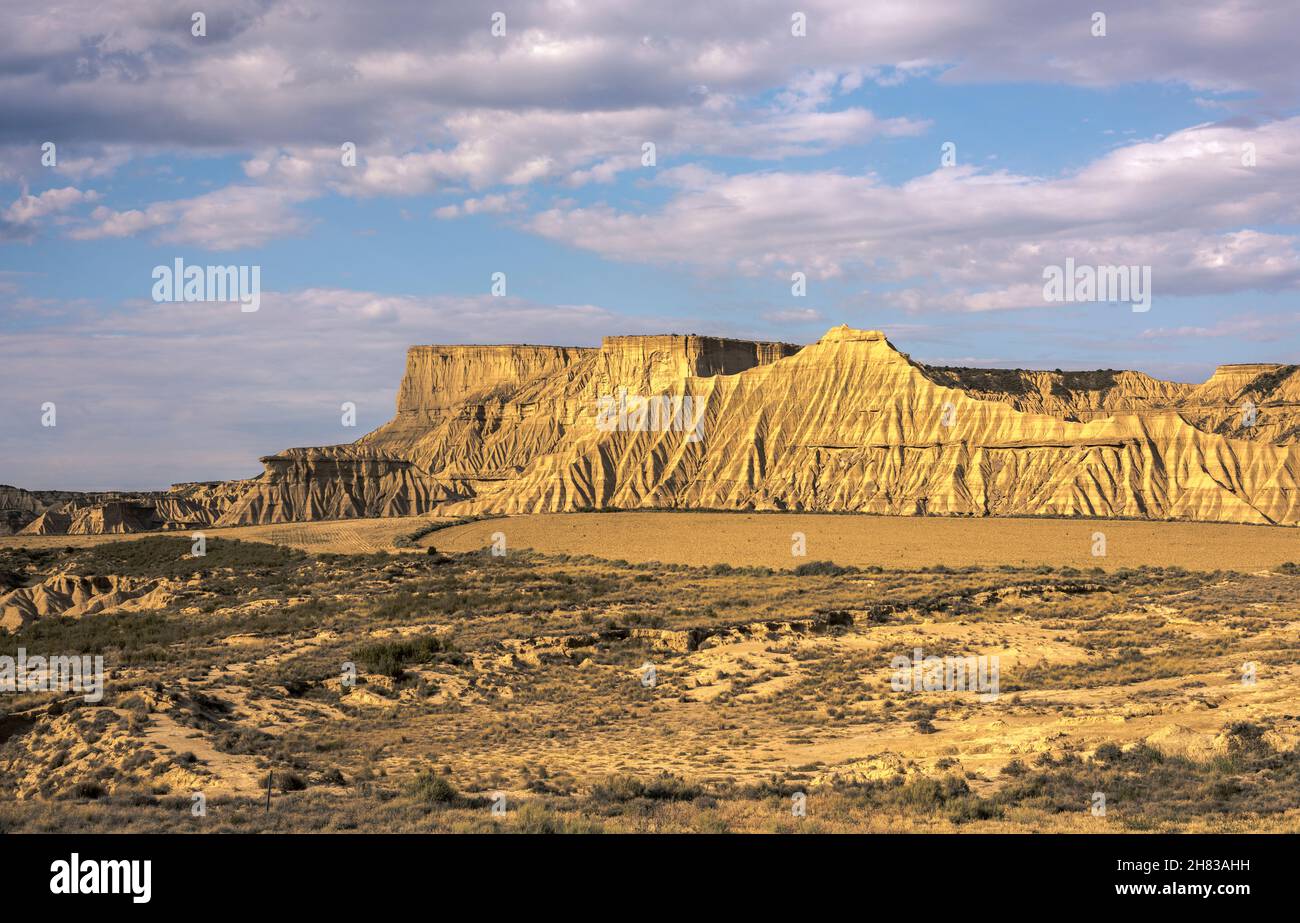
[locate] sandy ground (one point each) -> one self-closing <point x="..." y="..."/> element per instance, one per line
<point x="766" y="539"/>
<point x="341" y="536"/>
<point x="540" y="699"/>
<point x="893" y="542"/>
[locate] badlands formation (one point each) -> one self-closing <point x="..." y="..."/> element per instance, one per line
<point x="846" y="424"/>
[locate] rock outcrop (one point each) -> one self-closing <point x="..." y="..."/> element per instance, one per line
<point x="184" y="506"/>
<point x="336" y="482"/>
<point x="851" y="424"/>
<point x="73" y="596"/>
<point x="18" y="508"/>
<point x="846" y="424"/>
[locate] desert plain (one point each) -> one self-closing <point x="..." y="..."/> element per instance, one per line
<point x="656" y="671"/>
<point x="684" y="583"/>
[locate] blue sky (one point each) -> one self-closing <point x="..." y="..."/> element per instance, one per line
<point x="521" y="154"/>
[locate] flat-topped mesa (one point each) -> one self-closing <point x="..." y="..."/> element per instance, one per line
<point x="846" y="334"/>
<point x="439" y="379"/>
<point x="112" y="516"/>
<point x="1259" y="401"/>
<point x="695" y="355"/>
<point x="185" y="487"/>
<point x="660" y="363"/>
<point x="484" y="412"/>
<point x="847" y="424"/>
<point x="1070" y="395"/>
<point x="1228" y="380"/>
<point x="852" y="424"/>
<point x="442" y="380"/>
<point x="347" y="455"/>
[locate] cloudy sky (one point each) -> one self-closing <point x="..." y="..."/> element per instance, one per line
<point x="1172" y="141"/>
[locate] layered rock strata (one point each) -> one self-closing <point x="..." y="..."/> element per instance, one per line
<point x="846" y="424"/>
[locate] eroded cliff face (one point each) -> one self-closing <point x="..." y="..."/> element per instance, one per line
<point x="335" y="482"/>
<point x="439" y="379"/>
<point x="851" y="424"/>
<point x="18" y="508"/>
<point x="470" y="418"/>
<point x="846" y="424"/>
<point x="1273" y="391"/>
<point x="73" y="596"/>
<point x="1079" y="396"/>
<point x="76" y="513"/>
<point x="528" y="411"/>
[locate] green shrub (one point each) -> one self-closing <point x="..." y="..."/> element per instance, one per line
<point x="290" y="781"/>
<point x="87" y="790"/>
<point x="168" y="556"/>
<point x="821" y="569"/>
<point x="664" y="787"/>
<point x="391" y="657"/>
<point x="1108" y="753"/>
<point x="430" y="788"/>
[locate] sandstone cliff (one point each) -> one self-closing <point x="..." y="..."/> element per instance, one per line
<point x="846" y="424"/>
<point x="851" y="424"/>
<point x="336" y="482"/>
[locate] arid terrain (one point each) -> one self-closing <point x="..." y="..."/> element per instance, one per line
<point x="768" y="540"/>
<point x="659" y="672"/>
<point x="872" y="422"/>
<point x="819" y="588"/>
<point x="848" y="424"/>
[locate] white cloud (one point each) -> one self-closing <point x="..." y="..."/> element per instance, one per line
<point x="269" y="73"/>
<point x="226" y="219"/>
<point x="801" y="316"/>
<point x="487" y="205"/>
<point x="19" y="220"/>
<point x="974" y="240"/>
<point x="1250" y="327"/>
<point x="432" y="95"/>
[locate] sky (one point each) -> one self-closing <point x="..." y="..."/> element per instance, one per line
<point x="920" y="164"/>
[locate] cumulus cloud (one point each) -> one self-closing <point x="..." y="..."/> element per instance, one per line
<point x="801" y="316"/>
<point x="226" y="219"/>
<point x="432" y="94"/>
<point x="30" y="207"/>
<point x="486" y="205"/>
<point x="569" y="95"/>
<point x="270" y="72"/>
<point x="19" y="220"/>
<point x="978" y="240"/>
<point x="491" y="147"/>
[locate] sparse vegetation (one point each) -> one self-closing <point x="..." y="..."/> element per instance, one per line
<point x="392" y="657"/>
<point x="525" y="675"/>
<point x="821" y="569"/>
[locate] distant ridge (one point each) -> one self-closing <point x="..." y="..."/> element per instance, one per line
<point x="848" y="423"/>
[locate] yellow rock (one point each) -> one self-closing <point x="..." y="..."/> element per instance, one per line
<point x="846" y="424"/>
